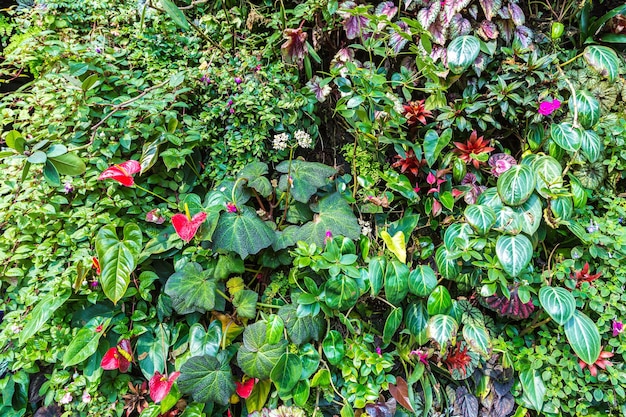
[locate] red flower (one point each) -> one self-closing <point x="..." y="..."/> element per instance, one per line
<point x="584" y="276"/>
<point x="122" y="173"/>
<point x="475" y="145"/>
<point x="458" y="359"/>
<point x="187" y="227"/>
<point x="244" y="389"/>
<point x="118" y="357"/>
<point x="160" y="385"/>
<point x="409" y="163"/>
<point x="601" y="362"/>
<point x="95" y="264"/>
<point x="416" y="112"/>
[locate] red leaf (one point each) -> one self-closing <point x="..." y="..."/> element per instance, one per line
<point x="401" y="393"/>
<point x="186" y="228"/>
<point x="160" y="386"/>
<point x="122" y="173"/>
<point x="244" y="389"/>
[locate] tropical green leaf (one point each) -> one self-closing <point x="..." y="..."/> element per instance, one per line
<point x="256" y="357"/>
<point x="301" y="329"/>
<point x="42" y="312"/>
<point x="564" y="135"/>
<point x="583" y="337"/>
<point x="333" y="347"/>
<point x="446" y="264"/>
<point x="579" y="194"/>
<point x="434" y="144"/>
<point x="51" y="175"/>
<point x="275" y="328"/>
<point x="150" y="153"/>
<point x="341" y="292"/>
<point x="558" y="302"/>
<point x="245" y="303"/>
<point x="591" y="145"/>
<point x="206" y="379"/>
<point x="175" y="14"/>
<point x="587" y="106"/>
<point x="203" y="342"/>
<point x="310" y="360"/>
<point x="548" y="175"/>
<point x="192" y="289"/>
<point x="516" y="185"/>
<point x="152" y="350"/>
<point x="243" y="232"/>
<point x="530" y="214"/>
<point x="439" y="301"/>
<point x="255" y="173"/>
<point x="301" y="392"/>
<point x="442" y="329"/>
<point x="462" y="52"/>
<point x="86" y="341"/>
<point x="490" y="198"/>
<point x="603" y="60"/>
<point x="514" y="253"/>
<point x="396" y="244"/>
<point x="477" y="338"/>
<point x="305" y="178"/>
<point x="416" y="320"/>
<point x="333" y="213"/>
<point x="457" y="233"/>
<point x="68" y="164"/>
<point x="392" y="324"/>
<point x="562" y="207"/>
<point x="534" y="390"/>
<point x="480" y="217"/>
<point x="376" y="274"/>
<point x="509" y="220"/>
<point x="422" y="281"/>
<point x="396" y="282"/>
<point x="286" y="373"/>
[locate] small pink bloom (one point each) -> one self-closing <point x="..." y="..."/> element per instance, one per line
<point x="416" y="189"/>
<point x="329" y="236"/>
<point x="86" y="397"/>
<point x="244" y="389"/>
<point x="437" y="207"/>
<point x="500" y="163"/>
<point x="99" y="328"/>
<point x="548" y="107"/>
<point x="231" y="208"/>
<point x="154" y="216"/>
<point x="618" y="327"/>
<point x="238" y="80"/>
<point x="422" y="356"/>
<point x="379" y="351"/>
<point x="67" y="398"/>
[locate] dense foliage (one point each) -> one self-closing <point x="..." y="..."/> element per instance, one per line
<point x="313" y="208"/>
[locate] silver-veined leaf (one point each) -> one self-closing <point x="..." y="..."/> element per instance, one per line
<point x="480" y="217"/>
<point x="442" y="329"/>
<point x="422" y="281"/>
<point x="558" y="302"/>
<point x="516" y="185"/>
<point x="548" y="174"/>
<point x="587" y="106"/>
<point x="564" y="135"/>
<point x="603" y="60"/>
<point x="462" y="52"/>
<point x="514" y="253"/>
<point x="591" y="145"/>
<point x="583" y="337"/>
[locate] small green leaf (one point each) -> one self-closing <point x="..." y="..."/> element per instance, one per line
<point x="439" y="301"/>
<point x="89" y="82"/>
<point x="152" y="350"/>
<point x="587" y="106"/>
<point x="206" y="379"/>
<point x="51" y="174"/>
<point x="275" y="328"/>
<point x="341" y="292"/>
<point x="15" y="141"/>
<point x="175" y="14"/>
<point x="245" y="303"/>
<point x="392" y="324"/>
<point x="37" y="157"/>
<point x="305" y="178"/>
<point x="377" y="267"/>
<point x="203" y="342"/>
<point x="422" y="281"/>
<point x="301" y="393"/>
<point x="333" y="347"/>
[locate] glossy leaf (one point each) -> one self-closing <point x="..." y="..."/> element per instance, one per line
<point x="558" y="302"/>
<point x="150" y="153"/>
<point x="583" y="337"/>
<point x="477" y="338"/>
<point x="301" y="329"/>
<point x="591" y="145"/>
<point x="341" y="292"/>
<point x="442" y="329"/>
<point x="509" y="220"/>
<point x="435" y="143"/>
<point x="258" y="396"/>
<point x="41" y="313"/>
<point x="530" y="212"/>
<point x="400" y="391"/>
<point x="152" y="350"/>
<point x="256" y="357"/>
<point x="422" y="281"/>
<point x="175" y="14"/>
<point x="490" y="7"/>
<point x="548" y="174"/>
<point x="242" y="232"/>
<point x="462" y="52"/>
<point x="534" y="390"/>
<point x="286" y="372"/>
<point x="416" y="320"/>
<point x="446" y="265"/>
<point x="603" y="60"/>
<point x="392" y="324"/>
<point x="457" y="232"/>
<point x="564" y="135"/>
<point x="333" y="347"/>
<point x="376" y="274"/>
<point x="301" y="393"/>
<point x="310" y="360"/>
<point x="68" y="164"/>
<point x="203" y="342"/>
<point x="562" y="208"/>
<point x="85" y="343"/>
<point x="587" y="106"/>
<point x="275" y="328"/>
<point x="334" y="214"/>
<point x="305" y="178"/>
<point x="206" y="379"/>
<point x="439" y="301"/>
<point x="480" y="217"/>
<point x="514" y="253"/>
<point x="192" y="289"/>
<point x="396" y="282"/>
<point x="396" y="244"/>
<point x="516" y="185"/>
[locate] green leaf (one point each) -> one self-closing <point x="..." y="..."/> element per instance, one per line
<point x="69" y="164"/>
<point x="442" y="329"/>
<point x="176" y="80"/>
<point x="434" y="144"/>
<point x="37" y="157"/>
<point x="562" y="207"/>
<point x="256" y="357"/>
<point x="89" y="82"/>
<point x="579" y="194"/>
<point x="376" y="274"/>
<point x="588" y="108"/>
<point x="243" y="232"/>
<point x="175" y="14"/>
<point x="395" y="244"/>
<point x="446" y="264"/>
<point x="558" y="302"/>
<point x="548" y="175"/>
<point x="564" y="135"/>
<point x="490" y="198"/>
<point x="508" y="220"/>
<point x="310" y="360"/>
<point x="306" y="178"/>
<point x="341" y="292"/>
<point x="480" y="217"/>
<point x="150" y="153"/>
<point x="56" y="150"/>
<point x="603" y="60"/>
<point x="193" y="410"/>
<point x="254" y="174"/>
<point x="301" y="329"/>
<point x="514" y="253"/>
<point x="245" y="303"/>
<point x="203" y="342"/>
<point x="51" y="174"/>
<point x="85" y="343"/>
<point x="530" y="212"/>
<point x="152" y="350"/>
<point x="392" y="324"/>
<point x="301" y="393"/>
<point x="334" y="214"/>
<point x="192" y="289"/>
<point x="456" y="232"/>
<point x="396" y="282"/>
<point x="15" y="141"/>
<point x="286" y="373"/>
<point x="416" y="320"/>
<point x="275" y="328"/>
<point x="117" y="258"/>
<point x="258" y="396"/>
<point x="422" y="281"/>
<point x="591" y="145"/>
<point x="439" y="301"/>
<point x="534" y="390"/>
<point x="583" y="337"/>
<point x="333" y="347"/>
<point x="516" y="185"/>
<point x="477" y="337"/>
<point x="462" y="52"/>
<point x="42" y="312"/>
<point x="206" y="379"/>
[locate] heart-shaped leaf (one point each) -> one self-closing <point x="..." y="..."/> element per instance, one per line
<point x="242" y="232"/>
<point x="207" y="379"/>
<point x="192" y="289"/>
<point x="480" y="217"/>
<point x="462" y="52"/>
<point x="396" y="282"/>
<point x="442" y="329"/>
<point x="559" y="303"/>
<point x="245" y="303"/>
<point x="516" y="185"/>
<point x="396" y="244"/>
<point x="333" y="214"/>
<point x="203" y="342"/>
<point x="254" y="174"/>
<point x="564" y="135"/>
<point x="583" y="337"/>
<point x="603" y="60"/>
<point x="416" y="320"/>
<point x="548" y="174"/>
<point x="117" y="258"/>
<point x="304" y="178"/>
<point x="434" y="144"/>
<point x="422" y="281"/>
<point x="256" y="357"/>
<point x="490" y="198"/>
<point x="286" y="373"/>
<point x="587" y="106"/>
<point x="333" y="347"/>
<point x="152" y="350"/>
<point x="457" y="236"/>
<point x="514" y="253"/>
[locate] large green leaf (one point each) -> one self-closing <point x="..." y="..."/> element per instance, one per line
<point x="175" y="14"/>
<point x="530" y="212"/>
<point x="306" y="178"/>
<point x="416" y="320"/>
<point x="255" y="173"/>
<point x="457" y="236"/>
<point x="558" y="302"/>
<point x="514" y="253"/>
<point x="562" y="207"/>
<point x="477" y="337"/>
<point x="310" y="360"/>
<point x="333" y="347"/>
<point x="509" y="220"/>
<point x="152" y="350"/>
<point x="422" y="281"/>
<point x="548" y="174"/>
<point x="490" y="198"/>
<point x="117" y="258"/>
<point x="534" y="390"/>
<point x="301" y="329"/>
<point x="434" y="144"/>
<point x="192" y="289"/>
<point x="245" y="303"/>
<point x="446" y="263"/>
<point x="396" y="282"/>
<point x="516" y="185"/>
<point x="256" y="357"/>
<point x="392" y="324"/>
<point x="587" y="106"/>
<point x="207" y="379"/>
<point x="583" y="337"/>
<point x="243" y="232"/>
<point x="442" y="329"/>
<point x="203" y="342"/>
<point x="42" y="312"/>
<point x="341" y="292"/>
<point x="603" y="60"/>
<point x="85" y="343"/>
<point x="68" y="164"/>
<point x="439" y="301"/>
<point x="462" y="52"/>
<point x="286" y="373"/>
<point x="480" y="217"/>
<point x="564" y="135"/>
<point x="332" y="214"/>
<point x="591" y="145"/>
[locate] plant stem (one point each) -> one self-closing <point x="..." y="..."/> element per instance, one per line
<point x="154" y="194"/>
<point x="534" y="326"/>
<point x="571" y="60"/>
<point x="267" y="305"/>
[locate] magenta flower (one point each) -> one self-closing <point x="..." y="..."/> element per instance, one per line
<point x="238" y="80"/>
<point x="548" y="107"/>
<point x="422" y="356"/>
<point x="231" y="208"/>
<point x="500" y="163"/>
<point x="618" y="327"/>
<point x="329" y="236"/>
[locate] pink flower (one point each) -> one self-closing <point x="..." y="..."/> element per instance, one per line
<point x="122" y="173"/>
<point x="548" y="107"/>
<point x="431" y="179"/>
<point x="160" y="385"/>
<point x="329" y="236"/>
<point x="67" y="398"/>
<point x="154" y="216"/>
<point x="379" y="351"/>
<point x="618" y="327"/>
<point x="231" y="208"/>
<point x="500" y="163"/>
<point x="422" y="356"/>
<point x="86" y="397"/>
<point x="187" y="227"/>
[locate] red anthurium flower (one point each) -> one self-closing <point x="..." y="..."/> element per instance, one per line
<point x="95" y="264"/>
<point x="118" y="357"/>
<point x="244" y="389"/>
<point x="122" y="173"/>
<point x="160" y="385"/>
<point x="187" y="227"/>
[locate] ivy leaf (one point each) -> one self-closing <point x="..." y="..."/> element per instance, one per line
<point x="306" y="178"/>
<point x="245" y="302"/>
<point x="332" y="214"/>
<point x="256" y="357"/>
<point x="254" y="174"/>
<point x="191" y="289"/>
<point x="117" y="258"/>
<point x="243" y="232"/>
<point x="206" y="379"/>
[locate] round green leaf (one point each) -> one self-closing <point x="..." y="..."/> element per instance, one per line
<point x="508" y="220"/>
<point x="564" y="135"/>
<point x="256" y="357"/>
<point x="514" y="253"/>
<point x="333" y="347"/>
<point x="396" y="282"/>
<point x="442" y="328"/>
<point x="341" y="292"/>
<point x="192" y="289"/>
<point x="416" y="320"/>
<point x="480" y="217"/>
<point x="310" y="360"/>
<point x="439" y="301"/>
<point x="422" y="281"/>
<point x="562" y="207"/>
<point x="490" y="198"/>
<point x="588" y="108"/>
<point x="392" y="324"/>
<point x="462" y="52"/>
<point x="301" y="392"/>
<point x="558" y="302"/>
<point x="446" y="264"/>
<point x="603" y="60"/>
<point x="286" y="373"/>
<point x="548" y="175"/>
<point x="584" y="337"/>
<point x="590" y="145"/>
<point x="477" y="337"/>
<point x="37" y="157"/>
<point x="457" y="236"/>
<point x="206" y="379"/>
<point x="516" y="185"/>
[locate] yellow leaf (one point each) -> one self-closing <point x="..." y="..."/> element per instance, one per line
<point x="395" y="244"/>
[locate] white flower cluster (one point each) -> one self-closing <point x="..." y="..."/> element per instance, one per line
<point x="366" y="227"/>
<point x="303" y="139"/>
<point x="280" y="141"/>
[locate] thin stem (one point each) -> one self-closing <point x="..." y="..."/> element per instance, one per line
<point x="571" y="60"/>
<point x="386" y="302"/>
<point x="287" y="193"/>
<point x="154" y="194"/>
<point x="534" y="326"/>
<point x="224" y="296"/>
<point x="267" y="305"/>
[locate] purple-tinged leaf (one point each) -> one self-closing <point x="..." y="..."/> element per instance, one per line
<point x="438" y="53"/>
<point x="490" y="7"/>
<point x="428" y="15"/>
<point x="458" y="5"/>
<point x="466" y="404"/>
<point x="447" y="13"/>
<point x="459" y="26"/>
<point x="387" y="8"/>
<point x="503" y="13"/>
<point x="480" y="64"/>
<point x="488" y="30"/>
<point x="437" y="33"/>
<point x="397" y="41"/>
<point x="354" y="25"/>
<point x="294" y="49"/>
<point x="516" y="14"/>
<point x="503" y="406"/>
<point x="507" y="28"/>
<point x="473" y="11"/>
<point x="381" y="409"/>
<point x="401" y="393"/>
<point x="524" y="36"/>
